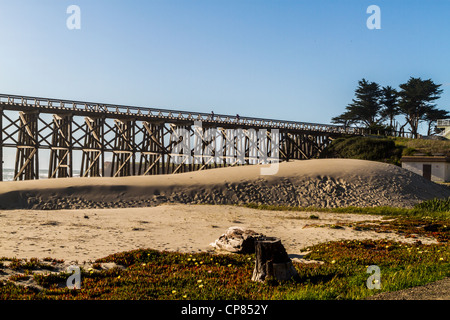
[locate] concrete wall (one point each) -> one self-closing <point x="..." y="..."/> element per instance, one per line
<point x="440" y="171"/>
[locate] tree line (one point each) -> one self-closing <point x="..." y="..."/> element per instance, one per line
<point x="377" y="108"/>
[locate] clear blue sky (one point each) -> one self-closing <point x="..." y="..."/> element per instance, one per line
<point x="296" y="60"/>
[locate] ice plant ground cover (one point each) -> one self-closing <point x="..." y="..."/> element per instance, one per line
<point x="150" y="274"/>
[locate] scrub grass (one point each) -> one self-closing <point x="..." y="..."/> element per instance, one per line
<point x="436" y="208"/>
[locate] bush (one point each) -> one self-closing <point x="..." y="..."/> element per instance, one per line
<point x="409" y="151"/>
<point x="364" y="148"/>
<point x="435" y="205"/>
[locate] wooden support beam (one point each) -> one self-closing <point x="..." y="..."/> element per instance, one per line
<point x="92" y="163"/>
<point x="27" y="155"/>
<point x="60" y="165"/>
<point x="124" y="151"/>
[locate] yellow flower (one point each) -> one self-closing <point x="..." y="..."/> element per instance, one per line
<point x="189" y="259"/>
<point x="201" y="262"/>
<point x="118" y="277"/>
<point x="193" y="259"/>
<point x="198" y="281"/>
<point x="441" y="259"/>
<point x="200" y="286"/>
<point x="143" y="264"/>
<point x="185" y="296"/>
<point x="333" y="261"/>
<point x="229" y="265"/>
<point x="174" y="291"/>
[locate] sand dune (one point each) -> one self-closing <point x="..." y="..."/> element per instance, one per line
<point x="320" y="183"/>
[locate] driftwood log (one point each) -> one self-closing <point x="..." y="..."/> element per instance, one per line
<point x="272" y="261"/>
<point x="237" y="240"/>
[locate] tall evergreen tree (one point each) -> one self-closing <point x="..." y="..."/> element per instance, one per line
<point x="365" y="107"/>
<point x="389" y="104"/>
<point x="346" y="119"/>
<point x="417" y="98"/>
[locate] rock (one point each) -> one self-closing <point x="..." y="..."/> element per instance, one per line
<point x="237" y="240"/>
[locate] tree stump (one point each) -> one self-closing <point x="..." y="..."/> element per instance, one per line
<point x="272" y="261"/>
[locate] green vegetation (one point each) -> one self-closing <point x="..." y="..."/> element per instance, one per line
<point x="435" y="205"/>
<point x="150" y="274"/>
<point x="422" y="146"/>
<point x="364" y="148"/>
<point x="435" y="209"/>
<point x="389" y="150"/>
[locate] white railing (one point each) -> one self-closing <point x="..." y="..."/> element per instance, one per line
<point x="443" y="122"/>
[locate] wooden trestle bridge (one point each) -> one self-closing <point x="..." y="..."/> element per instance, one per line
<point x="144" y="141"/>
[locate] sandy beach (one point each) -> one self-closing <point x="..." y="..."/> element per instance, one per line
<point x="87" y="219"/>
<point x="89" y="234"/>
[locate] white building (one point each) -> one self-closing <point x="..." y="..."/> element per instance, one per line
<point x="435" y="168"/>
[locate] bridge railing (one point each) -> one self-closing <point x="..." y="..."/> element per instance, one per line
<point x="72" y="105"/>
<point x="443" y="123"/>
